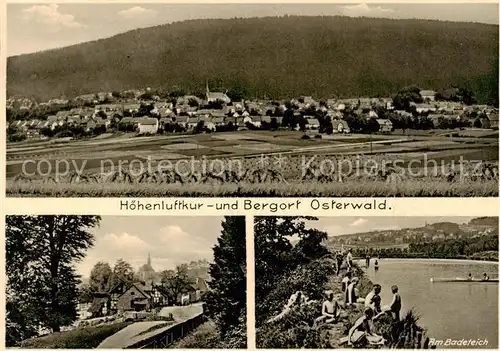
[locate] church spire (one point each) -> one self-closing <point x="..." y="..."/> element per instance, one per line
<point x="207" y="87"/>
<point x="149" y="259"/>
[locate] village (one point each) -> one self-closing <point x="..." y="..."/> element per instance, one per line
<point x="148" y="292"/>
<point x="146" y="113"/>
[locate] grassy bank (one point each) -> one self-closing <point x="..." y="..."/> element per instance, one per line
<point x="296" y="329"/>
<point x="80" y="338"/>
<point x="405" y="188"/>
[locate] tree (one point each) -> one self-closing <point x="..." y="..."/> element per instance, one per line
<point x="40" y="255"/>
<point x="275" y="256"/>
<point x="226" y="301"/>
<point x="100" y="277"/>
<point x="237" y="93"/>
<point x="122" y="271"/>
<point x="176" y="282"/>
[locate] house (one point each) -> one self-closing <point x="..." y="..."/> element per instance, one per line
<point x="148" y="125"/>
<point x="428" y="95"/>
<point x="217" y="96"/>
<point x="134" y="298"/>
<point x="82" y="310"/>
<point x="192" y="122"/>
<point x="255" y="120"/>
<point x="131" y="107"/>
<point x="436" y="119"/>
<point x="312" y="123"/>
<point x="218" y="121"/>
<point x="52" y="119"/>
<point x="182" y="120"/>
<point x="385" y="125"/>
<point x="340" y="126"/>
<point x="493" y="117"/>
<point x="74" y="120"/>
<point x="421" y="108"/>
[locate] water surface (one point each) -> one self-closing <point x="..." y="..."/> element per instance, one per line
<point x="447" y="310"/>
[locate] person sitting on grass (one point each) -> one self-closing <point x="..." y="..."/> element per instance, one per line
<point x="330" y="311"/>
<point x="363" y="331"/>
<point x="370" y="301"/>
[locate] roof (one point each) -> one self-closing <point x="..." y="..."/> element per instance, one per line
<point x="217" y="96"/>
<point x="384" y="121"/>
<point x="148" y="121"/>
<point x="127" y="120"/>
<point x="138" y="287"/>
<point x="427" y="92"/>
<point x="218" y="120"/>
<point x="313" y="121"/>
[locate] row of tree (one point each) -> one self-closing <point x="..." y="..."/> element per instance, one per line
<point x="444" y="248"/>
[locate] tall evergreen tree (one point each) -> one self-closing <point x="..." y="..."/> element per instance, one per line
<point x="226" y="300"/>
<point x="41" y="281"/>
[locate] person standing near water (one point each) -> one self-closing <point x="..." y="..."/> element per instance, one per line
<point x="351" y="296"/>
<point x="367" y="261"/>
<point x="396" y="303"/>
<point x="349" y="258"/>
<point x="376" y="265"/>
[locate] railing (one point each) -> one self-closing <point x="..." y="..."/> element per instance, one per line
<point x="172" y="334"/>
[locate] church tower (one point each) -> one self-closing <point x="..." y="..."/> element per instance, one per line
<point x="149" y="259"/>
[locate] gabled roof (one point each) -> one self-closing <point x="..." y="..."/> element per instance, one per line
<point x="384" y="121"/>
<point x="138" y="287"/>
<point x="217" y="96"/>
<point x="146" y="121"/>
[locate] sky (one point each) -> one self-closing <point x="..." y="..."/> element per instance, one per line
<point x="351" y="225"/>
<point x="170" y="241"/>
<point x="37" y="27"/>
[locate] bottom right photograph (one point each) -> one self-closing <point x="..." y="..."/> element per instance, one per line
<point x="376" y="282"/>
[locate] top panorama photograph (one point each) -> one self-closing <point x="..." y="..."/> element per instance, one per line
<point x="353" y="100"/>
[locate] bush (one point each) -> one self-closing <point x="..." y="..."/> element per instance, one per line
<point x="206" y="336"/>
<point x="305" y="137"/>
<point x="318" y="136"/>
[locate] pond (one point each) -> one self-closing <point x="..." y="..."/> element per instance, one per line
<point x="448" y="310"/>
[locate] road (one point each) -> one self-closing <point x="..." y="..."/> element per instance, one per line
<point x="136" y="332"/>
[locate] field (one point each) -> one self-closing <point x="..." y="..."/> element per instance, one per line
<point x="257" y="164"/>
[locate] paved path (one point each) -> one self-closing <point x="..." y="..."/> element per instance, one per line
<point x="129" y="335"/>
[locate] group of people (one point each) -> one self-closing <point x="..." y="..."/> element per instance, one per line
<point x="368" y="258"/>
<point x="363" y="329"/>
<point x="485" y="277"/>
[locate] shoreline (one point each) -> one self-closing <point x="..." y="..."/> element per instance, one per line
<point x="442" y="260"/>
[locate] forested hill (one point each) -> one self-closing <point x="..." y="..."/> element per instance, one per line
<point x="475" y="228"/>
<point x="277" y="56"/>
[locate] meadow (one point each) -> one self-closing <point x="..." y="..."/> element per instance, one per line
<point x="256" y="164"/>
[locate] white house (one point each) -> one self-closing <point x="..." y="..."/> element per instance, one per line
<point x="148" y="125"/>
<point x="312" y="123"/>
<point x="428" y="95"/>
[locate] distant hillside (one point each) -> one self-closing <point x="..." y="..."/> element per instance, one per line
<point x="432" y="232"/>
<point x="280" y="57"/>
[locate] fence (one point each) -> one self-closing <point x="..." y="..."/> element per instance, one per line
<point x="173" y="333"/>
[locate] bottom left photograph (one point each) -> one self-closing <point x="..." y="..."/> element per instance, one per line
<point x="125" y="282"/>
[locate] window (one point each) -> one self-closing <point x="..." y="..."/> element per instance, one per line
<point x="132" y="293"/>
